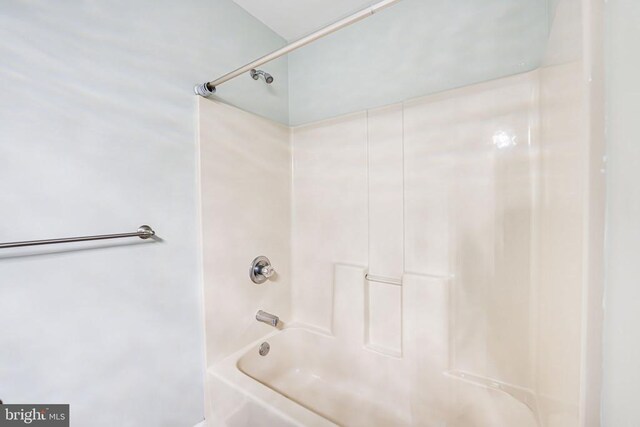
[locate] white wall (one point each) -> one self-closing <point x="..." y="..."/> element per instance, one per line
<point x="414" y="48"/>
<point x="97" y="135"/>
<point x="622" y="340"/>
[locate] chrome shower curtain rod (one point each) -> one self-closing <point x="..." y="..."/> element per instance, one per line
<point x="208" y="89"/>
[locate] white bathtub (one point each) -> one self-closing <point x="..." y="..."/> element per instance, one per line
<point x="312" y="379"/>
<point x="360" y="390"/>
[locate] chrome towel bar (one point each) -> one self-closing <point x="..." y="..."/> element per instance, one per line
<point x="144" y="232"/>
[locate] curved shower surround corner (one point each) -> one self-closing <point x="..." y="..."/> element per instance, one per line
<point x="431" y="257"/>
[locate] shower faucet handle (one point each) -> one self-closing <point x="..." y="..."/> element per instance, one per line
<point x="267" y="271"/>
<point x="261" y="270"/>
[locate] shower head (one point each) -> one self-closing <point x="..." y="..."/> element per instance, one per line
<point x="255" y="74"/>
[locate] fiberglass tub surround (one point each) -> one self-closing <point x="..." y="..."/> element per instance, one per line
<point x="429" y="256"/>
<point x="463" y="333"/>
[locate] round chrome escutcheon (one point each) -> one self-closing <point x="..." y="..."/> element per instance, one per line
<point x="260" y="270"/>
<point x="264" y="349"/>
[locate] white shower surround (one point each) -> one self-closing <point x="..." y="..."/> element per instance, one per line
<point x="485" y="201"/>
<point x="506" y="363"/>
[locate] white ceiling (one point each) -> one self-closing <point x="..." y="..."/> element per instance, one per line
<point x="292" y="19"/>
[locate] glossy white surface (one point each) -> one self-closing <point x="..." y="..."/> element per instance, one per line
<point x="309" y="379"/>
<point x="318" y="372"/>
<point x="237" y="400"/>
<point x="245" y="180"/>
<point x="487" y="172"/>
<point x="330" y="205"/>
<point x="386" y="185"/>
<point x="474" y="198"/>
<point x="487" y="333"/>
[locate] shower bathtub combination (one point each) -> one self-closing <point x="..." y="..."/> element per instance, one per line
<point x="308" y="379"/>
<point x="421" y="263"/>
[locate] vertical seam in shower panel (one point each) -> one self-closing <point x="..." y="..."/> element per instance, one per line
<point x="292" y="286"/>
<point x="367" y="155"/>
<point x="403" y="189"/>
<point x="367" y="298"/>
<point x="292" y="312"/>
<point x="402" y="123"/>
<point x="200" y="244"/>
<point x="453" y="188"/>
<point x="535" y="147"/>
